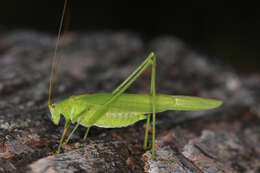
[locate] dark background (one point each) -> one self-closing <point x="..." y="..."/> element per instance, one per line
<point x="229" y="32"/>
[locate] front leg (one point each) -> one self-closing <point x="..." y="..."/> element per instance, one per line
<point x="63" y="136"/>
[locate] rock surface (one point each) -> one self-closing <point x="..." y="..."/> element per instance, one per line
<point x="222" y="140"/>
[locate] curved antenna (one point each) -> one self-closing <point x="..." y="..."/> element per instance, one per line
<point x="54" y="61"/>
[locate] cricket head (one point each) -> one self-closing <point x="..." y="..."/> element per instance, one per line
<point x="55" y="113"/>
<point x="63" y="107"/>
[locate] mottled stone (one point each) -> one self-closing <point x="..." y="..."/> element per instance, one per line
<point x="96" y="156"/>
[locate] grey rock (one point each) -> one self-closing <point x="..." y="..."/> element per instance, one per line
<point x="225" y="139"/>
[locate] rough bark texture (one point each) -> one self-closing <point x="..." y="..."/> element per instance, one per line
<point x="222" y="140"/>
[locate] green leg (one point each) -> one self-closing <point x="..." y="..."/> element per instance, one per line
<point x="153" y="90"/>
<point x="75" y="128"/>
<point x="153" y="107"/>
<point x="86" y="134"/>
<point x="146" y="131"/>
<point x="63" y="135"/>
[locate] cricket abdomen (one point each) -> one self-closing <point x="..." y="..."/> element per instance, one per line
<point x="114" y="119"/>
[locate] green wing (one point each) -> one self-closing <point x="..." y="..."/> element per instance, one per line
<point x="187" y="103"/>
<point x="142" y="103"/>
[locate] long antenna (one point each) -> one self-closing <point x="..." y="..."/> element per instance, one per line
<point x="54" y="61"/>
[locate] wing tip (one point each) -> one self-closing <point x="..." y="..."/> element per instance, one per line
<point x="196" y="103"/>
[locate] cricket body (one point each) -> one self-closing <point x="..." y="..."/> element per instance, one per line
<point x="119" y="109"/>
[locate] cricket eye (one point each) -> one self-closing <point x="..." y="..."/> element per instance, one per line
<point x="53" y="106"/>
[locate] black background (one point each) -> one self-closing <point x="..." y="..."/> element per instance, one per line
<point x="229" y="32"/>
